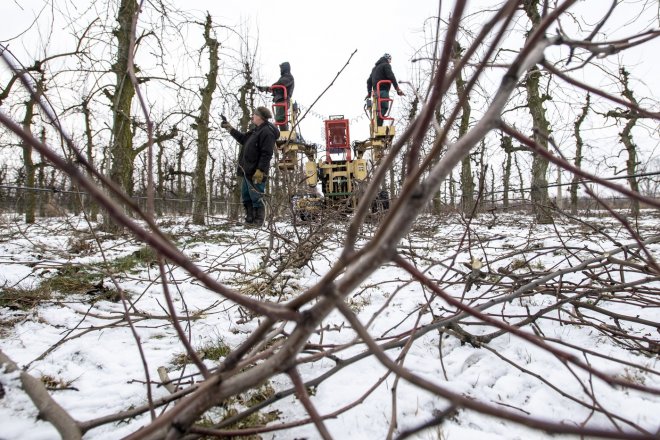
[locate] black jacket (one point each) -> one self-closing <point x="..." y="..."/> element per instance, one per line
<point x="382" y="70"/>
<point x="256" y="148"/>
<point x="286" y="80"/>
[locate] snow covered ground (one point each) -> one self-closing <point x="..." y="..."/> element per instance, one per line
<point x="81" y="346"/>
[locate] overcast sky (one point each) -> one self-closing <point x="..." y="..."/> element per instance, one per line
<point x="318" y="38"/>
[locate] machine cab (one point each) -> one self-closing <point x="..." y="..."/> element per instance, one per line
<point x="337" y="139"/>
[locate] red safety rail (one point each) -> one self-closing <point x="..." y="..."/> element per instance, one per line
<point x="379" y="100"/>
<point x="337" y="137"/>
<point x="284" y="104"/>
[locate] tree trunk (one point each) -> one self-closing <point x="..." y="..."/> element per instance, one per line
<point x="224" y="189"/>
<point x="121" y="149"/>
<point x="493" y="199"/>
<point x="41" y="180"/>
<point x="483" y="174"/>
<point x="521" y="181"/>
<point x="560" y="197"/>
<point x="412" y="114"/>
<point x="627" y="140"/>
<point x="579" y="144"/>
<point x="211" y="190"/>
<point x="507" y="146"/>
<point x="28" y="162"/>
<point x="160" y="180"/>
<point x="180" y="190"/>
<point x="631" y="163"/>
<point x="437" y="197"/>
<point x="202" y="122"/>
<point x="91" y="207"/>
<point x="467" y="180"/>
<point x="452" y="190"/>
<point x="539" y="192"/>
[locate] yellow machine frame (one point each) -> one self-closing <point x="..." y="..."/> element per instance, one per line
<point x="341" y="176"/>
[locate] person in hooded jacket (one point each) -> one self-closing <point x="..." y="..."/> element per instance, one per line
<point x="382" y="71"/>
<point x="286" y="80"/>
<point x="254" y="157"/>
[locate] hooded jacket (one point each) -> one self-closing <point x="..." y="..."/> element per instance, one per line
<point x="286" y="80"/>
<point x="256" y="148"/>
<point x="382" y="70"/>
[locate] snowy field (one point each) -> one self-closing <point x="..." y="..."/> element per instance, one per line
<point x="82" y="347"/>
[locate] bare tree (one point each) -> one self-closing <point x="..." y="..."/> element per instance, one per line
<point x="626" y="136"/>
<point x="579" y="144"/>
<point x="28" y="162"/>
<point x="535" y="100"/>
<point x="509" y="151"/>
<point x="121" y="150"/>
<point x="202" y="124"/>
<point x="467" y="180"/>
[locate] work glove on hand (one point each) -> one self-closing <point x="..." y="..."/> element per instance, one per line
<point x="399" y="92"/>
<point x="258" y="176"/>
<point x="226" y="125"/>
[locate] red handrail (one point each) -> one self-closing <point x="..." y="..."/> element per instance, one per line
<point x="284" y="104"/>
<point x="379" y="100"/>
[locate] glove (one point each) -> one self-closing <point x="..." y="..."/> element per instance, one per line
<point x="226" y="125"/>
<point x="263" y="88"/>
<point x="399" y="92"/>
<point x="258" y="176"/>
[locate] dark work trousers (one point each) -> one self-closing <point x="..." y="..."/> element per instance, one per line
<point x="252" y="192"/>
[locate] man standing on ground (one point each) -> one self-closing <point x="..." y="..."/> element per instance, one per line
<point x="254" y="157"/>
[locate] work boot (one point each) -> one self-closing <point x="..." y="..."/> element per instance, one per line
<point x="259" y="215"/>
<point x="249" y="213"/>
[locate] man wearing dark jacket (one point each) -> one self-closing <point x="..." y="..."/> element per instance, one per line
<point x="286" y="80"/>
<point x="254" y="161"/>
<point x="382" y="71"/>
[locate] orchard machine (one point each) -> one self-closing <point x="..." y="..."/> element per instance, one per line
<point x="345" y="168"/>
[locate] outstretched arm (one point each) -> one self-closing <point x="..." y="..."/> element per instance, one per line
<point x="390" y="75"/>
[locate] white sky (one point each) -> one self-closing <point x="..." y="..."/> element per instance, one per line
<point x="317" y="38"/>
